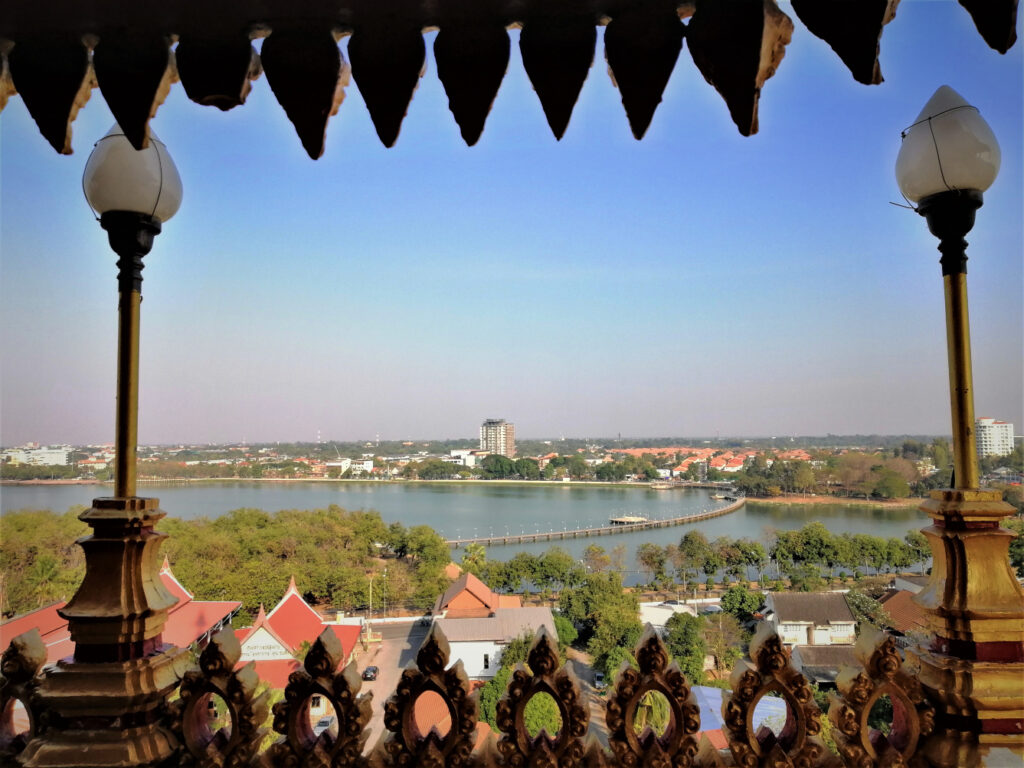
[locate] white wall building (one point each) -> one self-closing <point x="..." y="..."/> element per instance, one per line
<point x="811" y="618"/>
<point x="479" y="642"/>
<point x="50" y="457"/>
<point x="995" y="438"/>
<point x="498" y="436"/>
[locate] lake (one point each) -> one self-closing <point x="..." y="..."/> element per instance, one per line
<point x="482" y="509"/>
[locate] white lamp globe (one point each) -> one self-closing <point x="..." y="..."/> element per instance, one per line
<point x="949" y="147"/>
<point x="119" y="177"/>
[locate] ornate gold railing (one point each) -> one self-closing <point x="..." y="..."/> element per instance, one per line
<point x="126" y="699"/>
<point x="184" y="724"/>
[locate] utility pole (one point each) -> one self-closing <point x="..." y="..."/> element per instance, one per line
<point x="369" y="609"/>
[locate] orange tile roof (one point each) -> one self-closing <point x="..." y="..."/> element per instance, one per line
<point x="470" y="584"/>
<point x="904" y="613"/>
<point x="187" y="620"/>
<point x="293" y="619"/>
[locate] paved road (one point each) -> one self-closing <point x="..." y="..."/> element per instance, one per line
<point x="395" y="651"/>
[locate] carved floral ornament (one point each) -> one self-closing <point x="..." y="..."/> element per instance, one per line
<point x="134" y="50"/>
<point x="247" y="741"/>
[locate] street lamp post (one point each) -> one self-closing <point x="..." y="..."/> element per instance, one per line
<point x="975" y="606"/>
<point x="122" y="671"/>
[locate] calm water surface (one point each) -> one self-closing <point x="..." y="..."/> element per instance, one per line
<point x="484" y="509"/>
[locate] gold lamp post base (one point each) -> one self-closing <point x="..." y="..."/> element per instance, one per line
<point x="974" y="669"/>
<point x="105" y="705"/>
<point x="106" y="715"/>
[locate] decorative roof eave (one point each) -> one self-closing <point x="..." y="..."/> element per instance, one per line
<point x="54" y="53"/>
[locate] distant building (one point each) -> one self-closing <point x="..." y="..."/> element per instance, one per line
<point x="43" y="457"/>
<point x="479" y="624"/>
<point x="811" y="618"/>
<point x="818" y="628"/>
<point x="498" y="436"/>
<point x="905" y="617"/>
<point x="995" y="438"/>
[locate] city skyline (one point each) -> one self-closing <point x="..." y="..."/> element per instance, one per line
<point x="694" y="283"/>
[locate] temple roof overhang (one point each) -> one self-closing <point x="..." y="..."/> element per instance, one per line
<point x="54" y="53"/>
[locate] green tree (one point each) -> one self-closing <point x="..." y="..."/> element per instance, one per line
<point x="614" y="661"/>
<point x="890" y="485"/>
<point x="652" y="558"/>
<point x="595" y="558"/>
<point x="577" y="468"/>
<point x="557" y="569"/>
<point x="691" y="554"/>
<point x="866" y="610"/>
<point x="541" y="714"/>
<point x="498" y="467"/>
<point x="491" y="692"/>
<point x="615" y="625"/>
<point x="528" y="469"/>
<point x="474" y="559"/>
<point x="567" y="633"/>
<point x="685" y="641"/>
<point x="741" y="602"/>
<point x="425" y="545"/>
<point x="726" y="640"/>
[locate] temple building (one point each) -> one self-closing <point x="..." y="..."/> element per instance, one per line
<point x="275" y="640"/>
<point x="189" y="622"/>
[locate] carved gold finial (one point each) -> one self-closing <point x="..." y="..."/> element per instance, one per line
<point x="882" y="675"/>
<point x="770" y="672"/>
<point x="405" y="745"/>
<point x="677" y="746"/>
<point x="569" y="747"/>
<point x="18" y="669"/>
<point x="189" y="716"/>
<point x="291" y="716"/>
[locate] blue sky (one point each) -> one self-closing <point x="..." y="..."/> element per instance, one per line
<point x="694" y="283"/>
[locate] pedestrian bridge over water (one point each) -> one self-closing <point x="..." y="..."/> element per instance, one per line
<point x="603" y="530"/>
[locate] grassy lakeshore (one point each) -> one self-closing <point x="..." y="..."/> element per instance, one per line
<point x="912" y="501"/>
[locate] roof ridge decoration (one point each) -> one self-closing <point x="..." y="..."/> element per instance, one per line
<point x="293" y="592"/>
<point x="165" y="570"/>
<point x="124" y="47"/>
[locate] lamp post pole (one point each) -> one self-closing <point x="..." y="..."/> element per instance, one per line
<point x="131" y="238"/>
<point x="950" y="216"/>
<point x="122" y="671"/>
<point x="974" y="605"/>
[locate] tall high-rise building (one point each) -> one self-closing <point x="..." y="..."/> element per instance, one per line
<point x="498" y="436"/>
<point x="995" y="438"/>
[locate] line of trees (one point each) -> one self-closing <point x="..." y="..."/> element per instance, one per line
<point x="245" y="555"/>
<point x="803" y="556"/>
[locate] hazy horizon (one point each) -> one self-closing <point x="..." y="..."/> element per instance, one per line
<point x="695" y="282"/>
<point x="604" y="440"/>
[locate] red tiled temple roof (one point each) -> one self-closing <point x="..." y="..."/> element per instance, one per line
<point x="294" y="620"/>
<point x="187" y="621"/>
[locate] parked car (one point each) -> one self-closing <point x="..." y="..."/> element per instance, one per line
<point x="672" y="602"/>
<point x="599" y="684"/>
<point x="710" y="609"/>
<point x="370" y="673"/>
<point x="323" y="725"/>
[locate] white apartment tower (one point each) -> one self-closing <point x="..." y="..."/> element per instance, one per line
<point x="498" y="436"/>
<point x="995" y="438"/>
